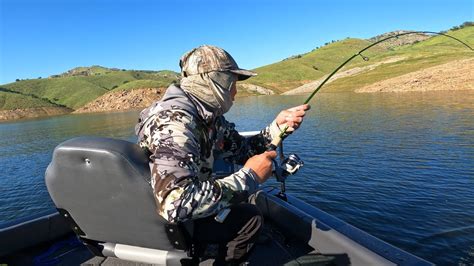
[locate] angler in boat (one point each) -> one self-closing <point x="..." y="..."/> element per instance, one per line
<point x="186" y="131"/>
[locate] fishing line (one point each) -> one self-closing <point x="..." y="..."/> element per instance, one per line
<point x="449" y="232"/>
<point x="277" y="141"/>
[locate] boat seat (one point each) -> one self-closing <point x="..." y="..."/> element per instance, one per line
<point x="102" y="186"/>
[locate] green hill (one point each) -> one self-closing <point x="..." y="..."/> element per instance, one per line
<point x="11" y="100"/>
<point x="142" y="84"/>
<point x="86" y="71"/>
<point x="298" y="70"/>
<point x="434" y="51"/>
<point x="79" y="86"/>
<point x="301" y="69"/>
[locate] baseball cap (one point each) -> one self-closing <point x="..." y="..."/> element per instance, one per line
<point x="208" y="58"/>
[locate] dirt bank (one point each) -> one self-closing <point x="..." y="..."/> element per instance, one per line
<point x="32" y="112"/>
<point x="255" y="89"/>
<point x="112" y="101"/>
<point x="456" y="75"/>
<point x="123" y="100"/>
<point x="309" y="87"/>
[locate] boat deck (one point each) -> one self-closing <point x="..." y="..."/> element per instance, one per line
<point x="294" y="233"/>
<point x="272" y="248"/>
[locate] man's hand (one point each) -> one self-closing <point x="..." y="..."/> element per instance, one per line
<point x="292" y="117"/>
<point x="261" y="164"/>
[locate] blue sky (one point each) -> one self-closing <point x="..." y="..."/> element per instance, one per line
<point x="40" y="38"/>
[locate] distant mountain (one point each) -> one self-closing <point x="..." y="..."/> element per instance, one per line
<point x="76" y="87"/>
<point x="394" y="58"/>
<point x="399" y="41"/>
<point x="86" y="71"/>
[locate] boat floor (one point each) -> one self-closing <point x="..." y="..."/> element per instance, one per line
<point x="272" y="248"/>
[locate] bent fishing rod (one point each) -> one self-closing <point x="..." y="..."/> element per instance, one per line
<point x="278" y="140"/>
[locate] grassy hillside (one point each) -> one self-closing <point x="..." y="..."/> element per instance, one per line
<point x="11" y="100"/>
<point x="295" y="72"/>
<point x="87" y="71"/>
<point x="142" y="84"/>
<point x="69" y="91"/>
<point x="292" y="73"/>
<point x="431" y="52"/>
<point x="79" y="86"/>
<point x="442" y="43"/>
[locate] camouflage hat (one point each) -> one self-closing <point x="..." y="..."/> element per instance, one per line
<point x="209" y="58"/>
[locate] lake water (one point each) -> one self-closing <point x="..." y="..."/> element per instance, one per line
<point x="399" y="166"/>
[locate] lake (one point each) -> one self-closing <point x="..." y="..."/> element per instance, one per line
<point x="399" y="166"/>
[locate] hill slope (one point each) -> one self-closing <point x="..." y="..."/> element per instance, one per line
<point x="455" y="75"/>
<point x="384" y="63"/>
<point x="300" y="69"/>
<point x="11" y="100"/>
<point x="434" y="51"/>
<point x="79" y="86"/>
<point x="119" y="100"/>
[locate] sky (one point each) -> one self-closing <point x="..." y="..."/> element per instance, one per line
<point x="39" y="38"/>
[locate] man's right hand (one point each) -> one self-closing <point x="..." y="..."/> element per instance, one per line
<point x="261" y="164"/>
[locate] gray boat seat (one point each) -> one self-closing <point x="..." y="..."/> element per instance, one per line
<point x="102" y="186"/>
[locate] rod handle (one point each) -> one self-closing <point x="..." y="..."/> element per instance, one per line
<point x="274" y="144"/>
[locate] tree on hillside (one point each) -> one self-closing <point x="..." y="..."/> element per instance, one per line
<point x="465" y="24"/>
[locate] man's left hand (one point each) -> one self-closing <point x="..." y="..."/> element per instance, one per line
<point x="293" y="117"/>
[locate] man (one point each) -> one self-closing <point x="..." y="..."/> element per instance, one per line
<point x="186" y="130"/>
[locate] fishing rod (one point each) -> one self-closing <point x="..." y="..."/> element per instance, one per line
<point x="277" y="141"/>
<point x="289" y="166"/>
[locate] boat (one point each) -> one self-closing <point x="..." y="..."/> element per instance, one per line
<point x="106" y="216"/>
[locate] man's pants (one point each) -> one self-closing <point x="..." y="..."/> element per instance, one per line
<point x="239" y="229"/>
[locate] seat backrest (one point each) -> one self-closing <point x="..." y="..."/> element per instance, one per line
<point x="103" y="184"/>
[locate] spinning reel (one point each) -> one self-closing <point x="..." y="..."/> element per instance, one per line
<point x="286" y="167"/>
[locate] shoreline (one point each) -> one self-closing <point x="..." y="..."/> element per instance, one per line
<point x="30" y="113"/>
<point x="18" y="115"/>
<point x="116" y="101"/>
<point x="450" y="77"/>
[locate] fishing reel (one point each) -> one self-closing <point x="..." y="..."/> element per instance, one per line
<point x="287" y="166"/>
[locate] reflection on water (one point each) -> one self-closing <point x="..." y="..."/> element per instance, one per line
<point x="399" y="166"/>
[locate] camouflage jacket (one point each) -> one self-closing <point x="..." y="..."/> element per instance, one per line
<point x="184" y="139"/>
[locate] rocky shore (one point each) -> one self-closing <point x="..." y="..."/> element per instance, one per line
<point x="15" y="114"/>
<point x="123" y="100"/>
<point x="112" y="101"/>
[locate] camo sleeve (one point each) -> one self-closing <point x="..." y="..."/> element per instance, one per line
<point x="181" y="177"/>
